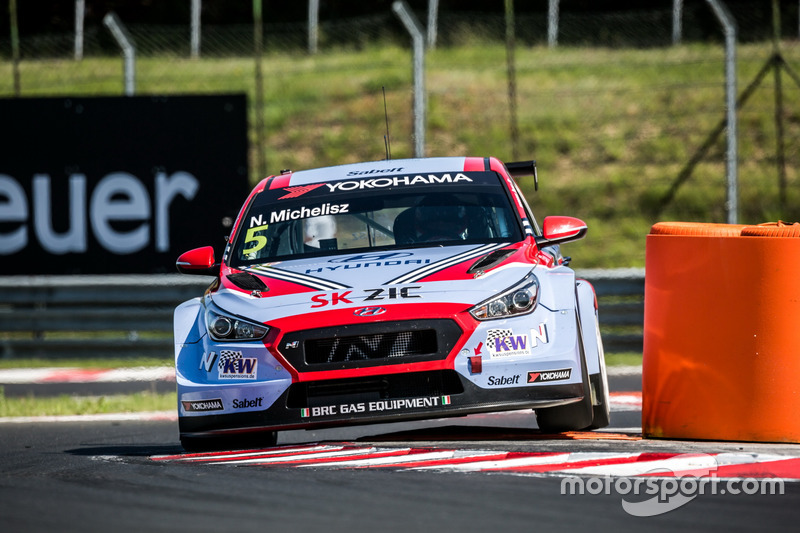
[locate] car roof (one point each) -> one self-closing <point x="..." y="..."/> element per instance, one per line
<point x="373" y="169"/>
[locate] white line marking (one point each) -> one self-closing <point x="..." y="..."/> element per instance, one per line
<point x="298" y="457"/>
<point x="501" y="463"/>
<point x="207" y="457"/>
<point x="418" y="457"/>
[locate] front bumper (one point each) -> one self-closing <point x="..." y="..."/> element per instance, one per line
<point x="379" y="399"/>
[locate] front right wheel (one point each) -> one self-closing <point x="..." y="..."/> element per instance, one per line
<point x="574" y="416"/>
<point x="571" y="417"/>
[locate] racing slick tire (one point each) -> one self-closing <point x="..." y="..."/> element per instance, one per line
<point x="601" y="416"/>
<point x="574" y="416"/>
<point x="601" y="411"/>
<point x="264" y="439"/>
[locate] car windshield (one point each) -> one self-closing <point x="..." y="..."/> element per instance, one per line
<point x="376" y="213"/>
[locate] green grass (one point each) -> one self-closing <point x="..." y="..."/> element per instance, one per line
<point x="86" y="405"/>
<point x="623" y="359"/>
<point x="610" y="129"/>
<point x="104" y="362"/>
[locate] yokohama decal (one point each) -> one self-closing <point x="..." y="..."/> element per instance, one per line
<point x="300" y="190"/>
<point x="202" y="405"/>
<point x="549" y="375"/>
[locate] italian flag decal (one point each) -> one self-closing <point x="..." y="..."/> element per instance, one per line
<point x="305" y="413"/>
<point x="445" y="400"/>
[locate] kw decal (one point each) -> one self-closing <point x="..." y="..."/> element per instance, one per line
<point x="503" y="343"/>
<point x="233" y="366"/>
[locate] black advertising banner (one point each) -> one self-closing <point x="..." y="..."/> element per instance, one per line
<point x="117" y="185"/>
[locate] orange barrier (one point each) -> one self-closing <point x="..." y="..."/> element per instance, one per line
<point x="722" y="333"/>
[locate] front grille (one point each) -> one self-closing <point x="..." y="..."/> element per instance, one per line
<point x="370" y="344"/>
<point x="375" y="346"/>
<point x="373" y="388"/>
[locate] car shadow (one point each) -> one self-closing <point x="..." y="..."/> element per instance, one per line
<point x="130" y="450"/>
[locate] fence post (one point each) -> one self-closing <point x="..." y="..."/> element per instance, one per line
<point x="677" y="21"/>
<point x="261" y="164"/>
<point x="195" y="23"/>
<point x="114" y="25"/>
<point x="12" y="13"/>
<point x="512" y="78"/>
<point x="433" y="22"/>
<point x="414" y="28"/>
<point x="552" y="23"/>
<point x="729" y="27"/>
<point x="313" y="26"/>
<point x="80" y="11"/>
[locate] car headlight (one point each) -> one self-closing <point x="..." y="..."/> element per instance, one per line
<point x="224" y="327"/>
<point x="518" y="300"/>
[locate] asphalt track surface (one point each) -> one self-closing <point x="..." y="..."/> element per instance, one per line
<point x="112" y="476"/>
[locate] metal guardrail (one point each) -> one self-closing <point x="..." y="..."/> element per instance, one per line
<point x="97" y="316"/>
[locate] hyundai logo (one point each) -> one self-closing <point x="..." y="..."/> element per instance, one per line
<point x="370" y="257"/>
<point x="369" y="311"/>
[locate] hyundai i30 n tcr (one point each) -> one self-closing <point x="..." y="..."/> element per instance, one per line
<point x="387" y="291"/>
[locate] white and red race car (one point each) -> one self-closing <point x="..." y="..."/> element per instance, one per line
<point x="387" y="291"/>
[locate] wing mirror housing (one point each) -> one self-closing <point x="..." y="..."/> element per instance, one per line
<point x="559" y="229"/>
<point x="199" y="261"/>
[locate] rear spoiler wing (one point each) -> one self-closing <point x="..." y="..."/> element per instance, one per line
<point x="518" y="169"/>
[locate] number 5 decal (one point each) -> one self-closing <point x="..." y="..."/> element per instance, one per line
<point x="260" y="240"/>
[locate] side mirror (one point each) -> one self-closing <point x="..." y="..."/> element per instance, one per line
<point x="558" y="229"/>
<point x="198" y="261"/>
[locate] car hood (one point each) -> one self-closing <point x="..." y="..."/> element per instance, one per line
<point x="420" y="276"/>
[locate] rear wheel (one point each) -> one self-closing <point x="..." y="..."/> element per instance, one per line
<point x="263" y="439"/>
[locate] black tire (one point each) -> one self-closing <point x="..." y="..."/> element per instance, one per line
<point x="601" y="414"/>
<point x="599" y="382"/>
<point x="571" y="417"/>
<point x="263" y="439"/>
<point x="574" y="416"/>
